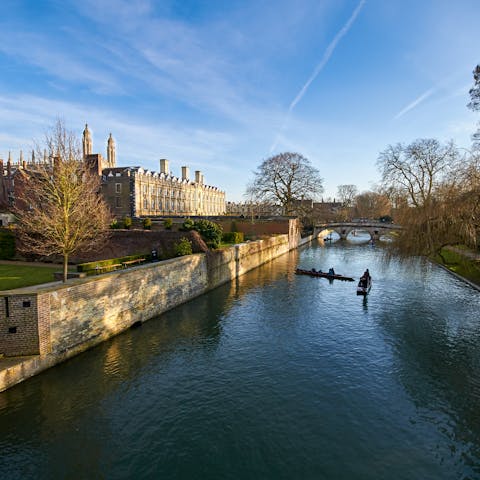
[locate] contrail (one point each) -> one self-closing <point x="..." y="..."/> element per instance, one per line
<point x="412" y="105"/>
<point x="326" y="57"/>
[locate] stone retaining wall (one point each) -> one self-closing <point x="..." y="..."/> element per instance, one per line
<point x="65" y="319"/>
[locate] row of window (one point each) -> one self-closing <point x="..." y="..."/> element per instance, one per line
<point x="173" y="193"/>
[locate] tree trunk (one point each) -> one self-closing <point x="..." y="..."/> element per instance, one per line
<point x="65" y="267"/>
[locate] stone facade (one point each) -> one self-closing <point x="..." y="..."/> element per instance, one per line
<point x="137" y="192"/>
<point x="129" y="191"/>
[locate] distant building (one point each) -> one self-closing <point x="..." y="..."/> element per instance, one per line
<point x="11" y="182"/>
<point x="255" y="209"/>
<point x="130" y="191"/>
<point x="322" y="211"/>
<point x="318" y="211"/>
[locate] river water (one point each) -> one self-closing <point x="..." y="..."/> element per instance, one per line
<point x="274" y="376"/>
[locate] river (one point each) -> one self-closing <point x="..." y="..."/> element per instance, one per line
<point x="274" y="376"/>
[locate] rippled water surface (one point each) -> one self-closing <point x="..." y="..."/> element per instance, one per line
<point x="275" y="376"/>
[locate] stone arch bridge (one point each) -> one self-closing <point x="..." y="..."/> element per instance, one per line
<point x="375" y="229"/>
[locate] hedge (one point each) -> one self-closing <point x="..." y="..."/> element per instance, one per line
<point x="232" y="237"/>
<point x="7" y="245"/>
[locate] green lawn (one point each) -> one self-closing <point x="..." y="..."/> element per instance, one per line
<point x="467" y="268"/>
<point x="16" y="276"/>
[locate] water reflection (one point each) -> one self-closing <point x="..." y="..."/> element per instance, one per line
<point x="436" y="346"/>
<point x="274" y="376"/>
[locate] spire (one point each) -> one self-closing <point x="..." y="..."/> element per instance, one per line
<point x="87" y="142"/>
<point x="9" y="158"/>
<point x="111" y="155"/>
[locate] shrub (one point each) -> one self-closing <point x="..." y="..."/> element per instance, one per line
<point x="183" y="247"/>
<point x="232" y="237"/>
<point x="7" y="245"/>
<point x="127" y="222"/>
<point x="167" y="223"/>
<point x="188" y="225"/>
<point x="147" y="223"/>
<point x="114" y="225"/>
<point x="211" y="232"/>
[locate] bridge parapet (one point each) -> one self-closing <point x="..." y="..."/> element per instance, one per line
<point x="343" y="229"/>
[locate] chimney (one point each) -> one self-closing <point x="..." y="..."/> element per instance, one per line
<point x="164" y="166"/>
<point x="198" y="176"/>
<point x="185" y="173"/>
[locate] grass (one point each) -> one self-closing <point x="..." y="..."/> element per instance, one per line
<point x="461" y="265"/>
<point x="17" y="276"/>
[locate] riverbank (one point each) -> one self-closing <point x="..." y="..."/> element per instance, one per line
<point x="48" y="324"/>
<point x="462" y="262"/>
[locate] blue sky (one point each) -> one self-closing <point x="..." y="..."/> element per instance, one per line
<point x="221" y="85"/>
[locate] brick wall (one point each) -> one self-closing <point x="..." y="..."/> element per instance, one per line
<point x="19" y="325"/>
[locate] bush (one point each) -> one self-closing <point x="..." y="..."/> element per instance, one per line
<point x="232" y="237"/>
<point x="127" y="223"/>
<point x="183" y="247"/>
<point x="147" y="223"/>
<point x="167" y="223"/>
<point x="211" y="232"/>
<point x="114" y="225"/>
<point x="7" y="245"/>
<point x="188" y="225"/>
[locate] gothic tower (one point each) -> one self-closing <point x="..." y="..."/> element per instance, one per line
<point x="87" y="142"/>
<point x="111" y="155"/>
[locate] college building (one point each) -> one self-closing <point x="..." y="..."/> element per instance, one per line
<point x="130" y="191"/>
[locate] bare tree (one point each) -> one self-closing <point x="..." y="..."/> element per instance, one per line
<point x="372" y="205"/>
<point x="286" y="179"/>
<point x="474" y="103"/>
<point x="475" y="91"/>
<point x="441" y="196"/>
<point x="416" y="170"/>
<point x="60" y="209"/>
<point x="346" y="194"/>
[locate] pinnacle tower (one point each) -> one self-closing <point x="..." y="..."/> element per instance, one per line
<point x="87" y="142"/>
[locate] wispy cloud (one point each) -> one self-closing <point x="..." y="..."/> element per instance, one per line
<point x="326" y="57"/>
<point x="328" y="53"/>
<point x="415" y="103"/>
<point x="138" y="142"/>
<point x="57" y="62"/>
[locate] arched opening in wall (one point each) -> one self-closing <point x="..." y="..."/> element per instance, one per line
<point x="331" y="237"/>
<point x="387" y="237"/>
<point x="359" y="236"/>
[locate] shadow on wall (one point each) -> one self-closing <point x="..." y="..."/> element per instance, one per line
<point x="131" y="242"/>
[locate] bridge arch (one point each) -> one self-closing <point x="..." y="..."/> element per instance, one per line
<point x="343" y="229"/>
